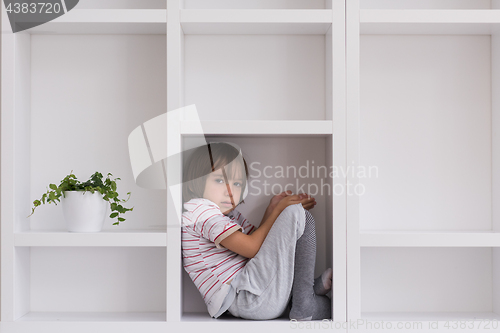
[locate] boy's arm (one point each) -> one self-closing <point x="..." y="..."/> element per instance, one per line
<point x="249" y="245"/>
<point x="267" y="213"/>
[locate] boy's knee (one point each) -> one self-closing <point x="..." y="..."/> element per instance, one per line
<point x="296" y="209"/>
<point x="296" y="213"/>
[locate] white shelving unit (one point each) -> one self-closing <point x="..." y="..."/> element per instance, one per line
<point x="266" y="75"/>
<point x="422" y="106"/>
<point x="410" y="88"/>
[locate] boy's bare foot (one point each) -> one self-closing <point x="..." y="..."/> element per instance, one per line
<point x="323" y="283"/>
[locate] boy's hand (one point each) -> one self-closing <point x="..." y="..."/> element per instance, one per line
<point x="277" y="198"/>
<point x="306" y="201"/>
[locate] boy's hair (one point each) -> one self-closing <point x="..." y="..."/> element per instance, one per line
<point x="203" y="161"/>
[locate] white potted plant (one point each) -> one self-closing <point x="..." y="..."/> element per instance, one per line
<point x="85" y="204"/>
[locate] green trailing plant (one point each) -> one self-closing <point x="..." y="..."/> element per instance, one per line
<point x="106" y="187"/>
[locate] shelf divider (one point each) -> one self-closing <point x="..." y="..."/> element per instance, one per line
<point x="126" y="238"/>
<point x="261" y="127"/>
<point x="93" y="317"/>
<point x="441" y="317"/>
<point x="256" y="21"/>
<point x="106" y="21"/>
<point x="370" y="238"/>
<point x="429" y="21"/>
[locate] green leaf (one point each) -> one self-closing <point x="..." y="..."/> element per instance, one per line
<point x="53" y="186"/>
<point x="113" y="215"/>
<point x="121" y="219"/>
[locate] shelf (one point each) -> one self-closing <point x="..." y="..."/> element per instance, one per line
<point x="94" y="316"/>
<point x="127" y="238"/>
<point x="429" y="22"/>
<point x="252" y="4"/>
<point x="429" y="316"/>
<point x="279" y="324"/>
<point x="370" y="238"/>
<point x="205" y="317"/>
<point x="269" y="127"/>
<point x="255" y="21"/>
<point x="106" y="21"/>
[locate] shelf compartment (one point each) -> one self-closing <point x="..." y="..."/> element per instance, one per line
<point x="426" y="129"/>
<point x="432" y="21"/>
<point x="106" y="21"/>
<point x="257" y="77"/>
<point x="429" y="283"/>
<point x="290" y="127"/>
<point x="275" y="164"/>
<point x="121" y="281"/>
<point x="372" y="238"/>
<point x="124" y="238"/>
<point x="102" y="63"/>
<point x="93" y="317"/>
<point x="213" y="22"/>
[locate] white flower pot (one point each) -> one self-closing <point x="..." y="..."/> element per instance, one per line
<point x="84" y="211"/>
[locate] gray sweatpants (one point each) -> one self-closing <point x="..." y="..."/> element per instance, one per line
<point x="263" y="286"/>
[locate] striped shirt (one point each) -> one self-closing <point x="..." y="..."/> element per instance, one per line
<point x="209" y="264"/>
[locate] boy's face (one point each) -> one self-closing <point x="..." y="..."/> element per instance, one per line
<point x="226" y="196"/>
